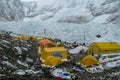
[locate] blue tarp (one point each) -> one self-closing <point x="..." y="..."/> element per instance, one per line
<point x="59" y="54"/>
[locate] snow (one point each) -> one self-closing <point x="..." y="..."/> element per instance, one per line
<point x="19" y="50"/>
<point x="28" y="0"/>
<point x="8" y="63"/>
<point x="60" y="73"/>
<point x="32" y="71"/>
<point x="47" y="66"/>
<point x="6" y="42"/>
<point x="101" y="18"/>
<point x="69" y="19"/>
<point x="29" y="60"/>
<point x="11" y="10"/>
<point x="65" y="31"/>
<point x="2" y="75"/>
<point x="23" y="72"/>
<point x="42" y="60"/>
<point x="64" y="60"/>
<point x="1" y="48"/>
<point x="5" y="57"/>
<point x="107" y="57"/>
<point x="77" y="49"/>
<point x="111" y="64"/>
<point x="113" y="60"/>
<point x="20" y="72"/>
<point x="96" y="69"/>
<point x="114" y="74"/>
<point x="21" y="63"/>
<point x="26" y="49"/>
<point x="57" y="72"/>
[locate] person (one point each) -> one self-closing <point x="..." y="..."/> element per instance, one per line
<point x="80" y="52"/>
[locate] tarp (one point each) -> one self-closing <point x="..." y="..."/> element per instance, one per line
<point x="52" y="61"/>
<point x="54" y="51"/>
<point x="45" y="43"/>
<point x="89" y="60"/>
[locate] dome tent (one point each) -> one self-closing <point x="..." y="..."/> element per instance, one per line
<point x="89" y="60"/>
<point x="52" y="61"/>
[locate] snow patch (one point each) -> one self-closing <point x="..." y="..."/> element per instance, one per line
<point x="19" y="50"/>
<point x="102" y="18"/>
<point x="77" y="49"/>
<point x="20" y="72"/>
<point x="21" y="63"/>
<point x="8" y="63"/>
<point x="29" y="60"/>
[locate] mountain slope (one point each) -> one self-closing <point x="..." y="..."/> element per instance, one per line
<point x="76" y="11"/>
<point x="11" y="10"/>
<point x="70" y="19"/>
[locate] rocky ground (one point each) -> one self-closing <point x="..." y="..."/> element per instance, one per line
<point x="20" y="60"/>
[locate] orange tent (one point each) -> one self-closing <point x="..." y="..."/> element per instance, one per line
<point x="46" y="42"/>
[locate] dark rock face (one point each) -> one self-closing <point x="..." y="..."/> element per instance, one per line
<point x="11" y="10"/>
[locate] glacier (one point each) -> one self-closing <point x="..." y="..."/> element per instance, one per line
<point x="66" y="31"/>
<point x="11" y="10"/>
<point x="69" y="20"/>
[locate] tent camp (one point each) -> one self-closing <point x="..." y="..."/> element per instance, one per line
<point x="54" y="51"/>
<point x="46" y="43"/>
<point x="104" y="47"/>
<point x="89" y="60"/>
<point x="52" y="61"/>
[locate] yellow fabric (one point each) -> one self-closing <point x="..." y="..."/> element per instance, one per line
<point x="54" y="49"/>
<point x="25" y="37"/>
<point x="15" y="38"/>
<point x="52" y="61"/>
<point x="89" y="60"/>
<point x="38" y="39"/>
<point x="108" y="45"/>
<point x="104" y="47"/>
<point x="60" y="45"/>
<point x="46" y="52"/>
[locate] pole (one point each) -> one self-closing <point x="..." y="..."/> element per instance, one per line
<point x="45" y="32"/>
<point x="84" y="38"/>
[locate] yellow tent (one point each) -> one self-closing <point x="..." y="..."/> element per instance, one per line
<point x="54" y="51"/>
<point x="37" y="38"/>
<point x="16" y="38"/>
<point x="52" y="61"/>
<point x="89" y="60"/>
<point x="25" y="37"/>
<point x="104" y="47"/>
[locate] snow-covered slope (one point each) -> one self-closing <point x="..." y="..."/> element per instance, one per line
<point x="11" y="10"/>
<point x="70" y="20"/>
<point x="70" y="11"/>
<point x="66" y="31"/>
<point x="78" y="11"/>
